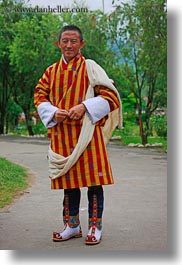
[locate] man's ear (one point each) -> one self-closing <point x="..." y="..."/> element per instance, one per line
<point x="56" y="43"/>
<point x="82" y="44"/>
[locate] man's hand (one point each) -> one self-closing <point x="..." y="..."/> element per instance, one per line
<point x="76" y="112"/>
<point x="60" y="115"/>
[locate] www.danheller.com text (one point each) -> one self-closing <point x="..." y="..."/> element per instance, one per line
<point x="48" y="9"/>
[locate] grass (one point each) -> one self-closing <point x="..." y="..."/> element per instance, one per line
<point x="13" y="179"/>
<point x="151" y="140"/>
<point x="132" y="137"/>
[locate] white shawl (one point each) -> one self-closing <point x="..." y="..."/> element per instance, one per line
<point x="60" y="165"/>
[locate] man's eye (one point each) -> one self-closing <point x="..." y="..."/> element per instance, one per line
<point x="64" y="41"/>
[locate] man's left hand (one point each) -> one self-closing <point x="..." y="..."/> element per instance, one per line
<point x="76" y="112"/>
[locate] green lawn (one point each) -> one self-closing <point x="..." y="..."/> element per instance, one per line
<point x="13" y="178"/>
<point x="151" y="140"/>
<point x="132" y="137"/>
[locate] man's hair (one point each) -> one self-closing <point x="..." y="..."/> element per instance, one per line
<point x="73" y="28"/>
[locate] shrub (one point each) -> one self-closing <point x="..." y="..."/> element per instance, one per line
<point x="158" y="125"/>
<point x="39" y="128"/>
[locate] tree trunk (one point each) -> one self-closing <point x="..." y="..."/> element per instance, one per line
<point x="1" y="124"/>
<point x="7" y="123"/>
<point x="28" y="122"/>
<point x="143" y="133"/>
<point x="1" y="129"/>
<point x="144" y="138"/>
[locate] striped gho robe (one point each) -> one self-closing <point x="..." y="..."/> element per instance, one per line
<point x="64" y="86"/>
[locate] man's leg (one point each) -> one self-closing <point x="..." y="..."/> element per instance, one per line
<point x="95" y="211"/>
<point x="71" y="204"/>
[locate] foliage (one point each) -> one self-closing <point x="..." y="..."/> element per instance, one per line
<point x="7" y="21"/>
<point x="13" y="112"/>
<point x="31" y="51"/>
<point x="39" y="129"/>
<point x="139" y="31"/>
<point x="12" y="179"/>
<point x="20" y="129"/>
<point x="159" y="125"/>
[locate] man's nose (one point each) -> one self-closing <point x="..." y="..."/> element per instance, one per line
<point x="69" y="44"/>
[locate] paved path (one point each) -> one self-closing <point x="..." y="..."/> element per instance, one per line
<point x="135" y="216"/>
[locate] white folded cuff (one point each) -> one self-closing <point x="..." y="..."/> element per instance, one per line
<point x="46" y="112"/>
<point x="97" y="108"/>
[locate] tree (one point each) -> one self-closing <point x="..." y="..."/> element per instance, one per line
<point x="13" y="112"/>
<point x="139" y="30"/>
<point x="7" y="20"/>
<point x="32" y="50"/>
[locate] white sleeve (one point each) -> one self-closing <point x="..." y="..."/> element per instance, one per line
<point x="46" y="112"/>
<point x="97" y="107"/>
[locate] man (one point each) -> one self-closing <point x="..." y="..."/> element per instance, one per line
<point x="75" y="109"/>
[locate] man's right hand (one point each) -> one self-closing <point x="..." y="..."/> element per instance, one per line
<point x="60" y="115"/>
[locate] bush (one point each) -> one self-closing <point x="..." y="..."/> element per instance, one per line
<point x="39" y="128"/>
<point x="158" y="125"/>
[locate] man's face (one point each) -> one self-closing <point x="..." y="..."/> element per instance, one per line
<point x="70" y="44"/>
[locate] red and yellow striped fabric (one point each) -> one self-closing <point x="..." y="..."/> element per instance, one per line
<point x="64" y="86"/>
